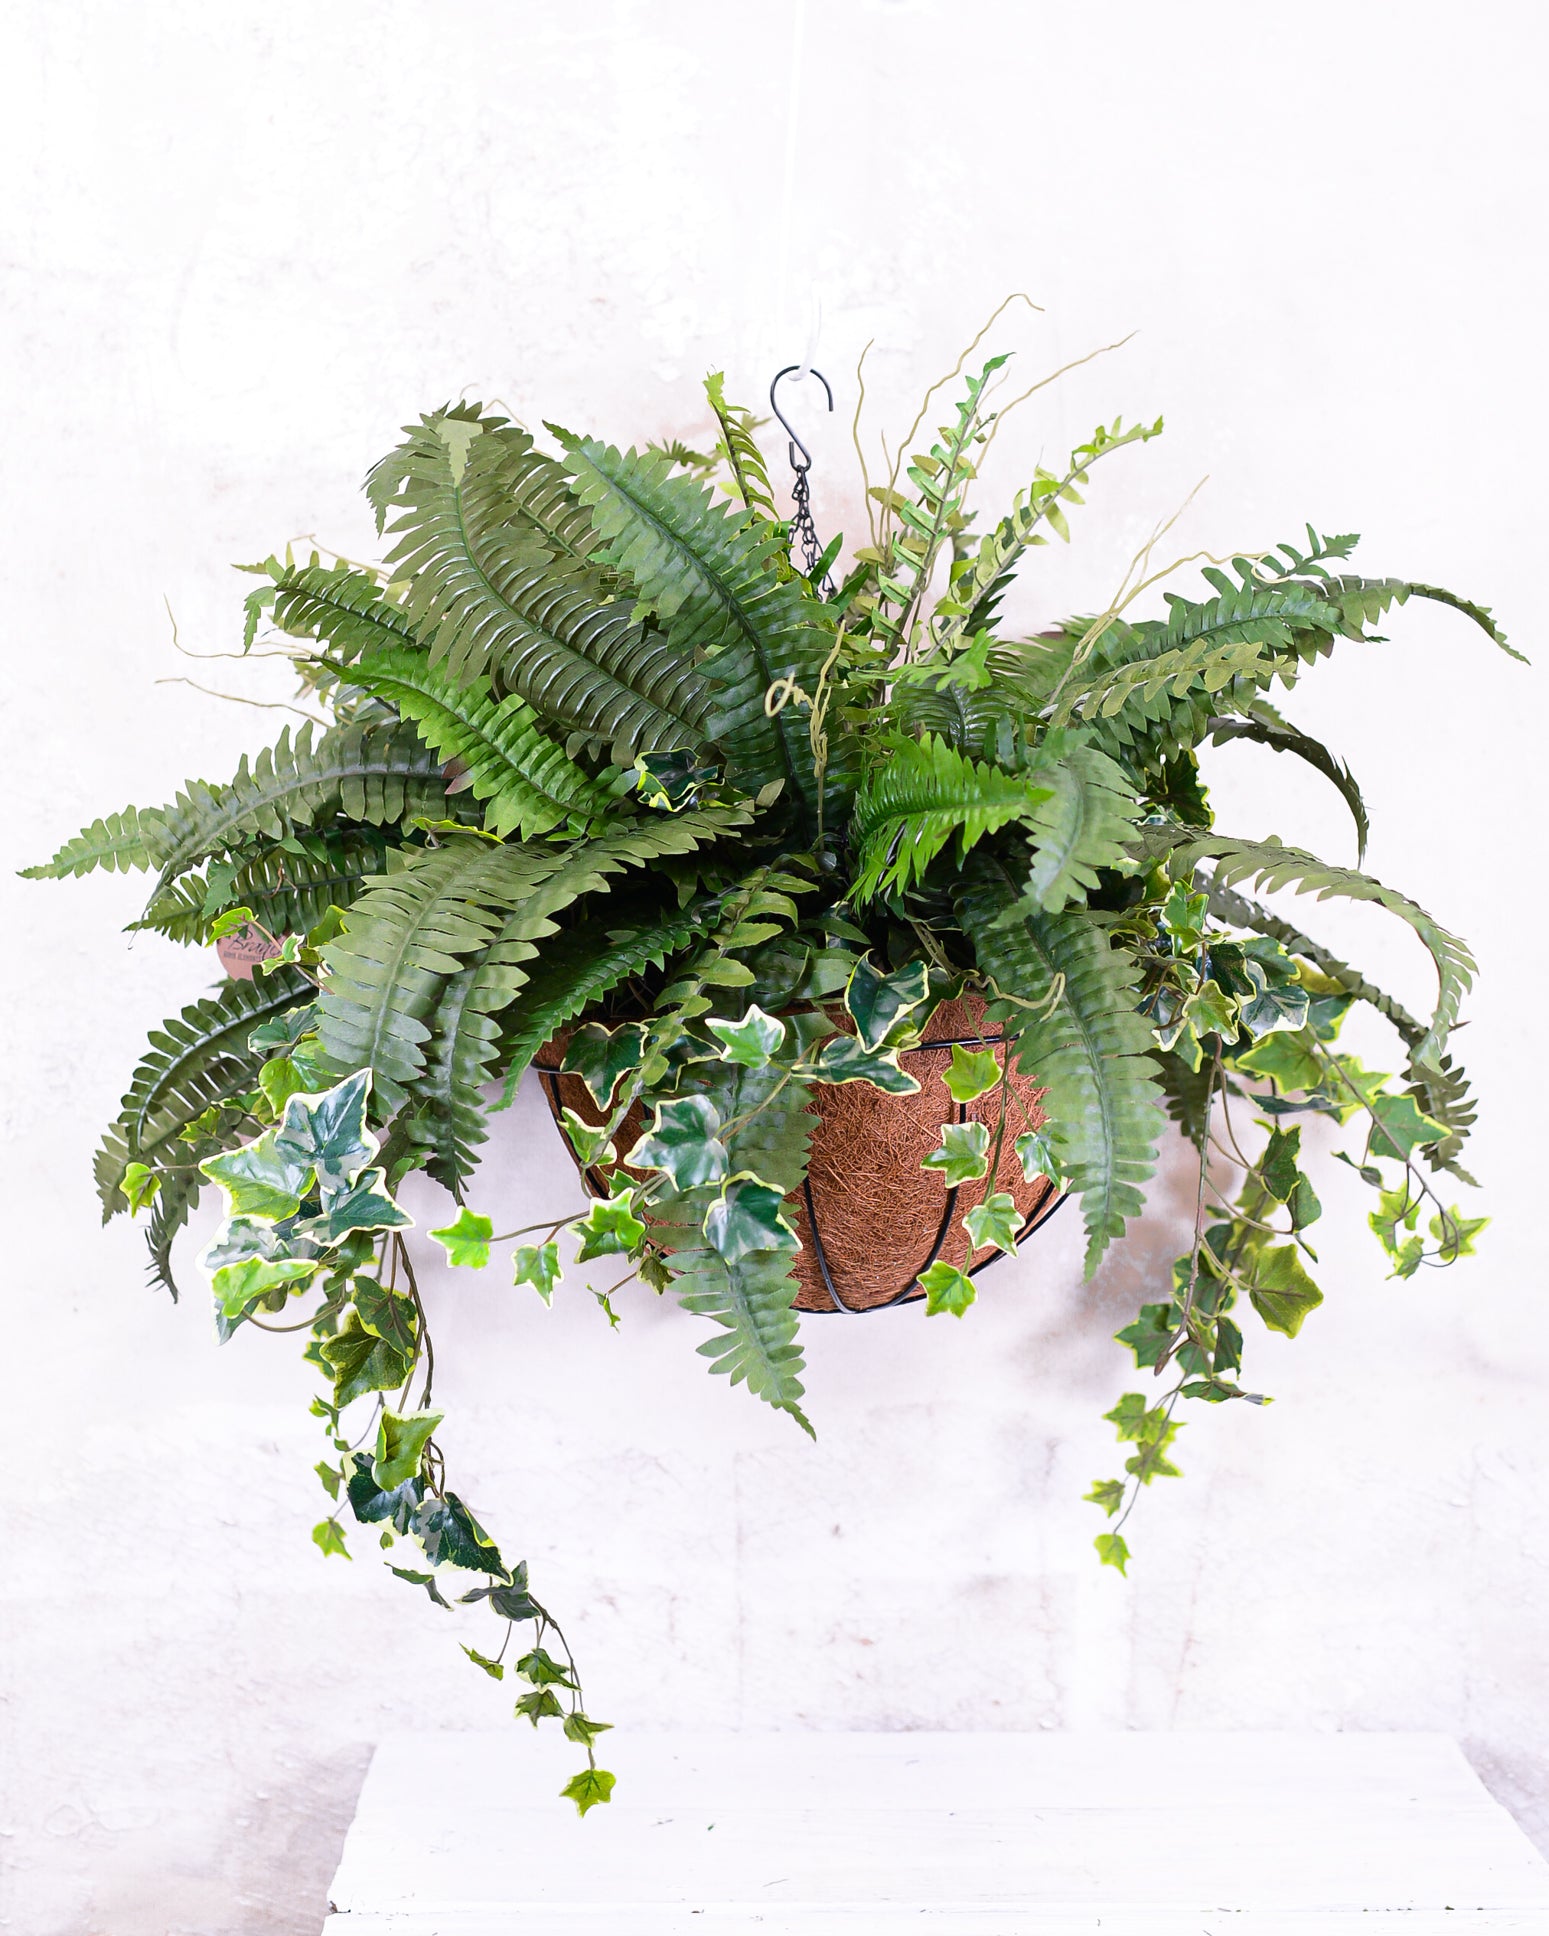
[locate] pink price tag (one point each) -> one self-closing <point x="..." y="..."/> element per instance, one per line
<point x="238" y="952"/>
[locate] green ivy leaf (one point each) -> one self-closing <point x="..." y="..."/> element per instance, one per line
<point x="538" y="1265"/>
<point x="1456" y="1234"/>
<point x="541" y="1705"/>
<point x="1112" y="1551"/>
<point x="747" y="1217"/>
<point x="328" y="1537"/>
<point x="466" y="1242"/>
<point x="601" y="1056"/>
<point x="590" y="1141"/>
<point x="493" y="1668"/>
<point x="359" y="1361"/>
<point x="400" y="1445"/>
<point x="1281" y="1290"/>
<point x="1278" y="1164"/>
<point x="426" y="1580"/>
<point x="1183" y="916"/>
<point x="1035" y="1150"/>
<point x="543" y="1670"/>
<point x="1148" y="1336"/>
<point x="1149" y="1429"/>
<point x="1396" y="1210"/>
<point x="279" y="1079"/>
<point x="610" y="1227"/>
<point x="962" y="1155"/>
<point x="946" y="1289"/>
<point x="753" y="1041"/>
<point x="140" y="1184"/>
<point x="365" y="1205"/>
<point x="1400" y="1128"/>
<point x="332" y="1477"/>
<point x="880" y="1003"/>
<point x="971" y="1073"/>
<point x="587" y="1789"/>
<point x="258" y="1180"/>
<point x="388" y="1314"/>
<point x="233" y="921"/>
<point x="845" y="1059"/>
<point x="283" y="1030"/>
<point x="1107" y="1493"/>
<point x="1286" y="1058"/>
<point x="684" y="1142"/>
<point x="995" y="1222"/>
<point x="578" y="1727"/>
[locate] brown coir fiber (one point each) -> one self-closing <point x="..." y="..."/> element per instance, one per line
<point x="879" y="1215"/>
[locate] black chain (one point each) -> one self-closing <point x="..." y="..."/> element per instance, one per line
<point x="803" y="536"/>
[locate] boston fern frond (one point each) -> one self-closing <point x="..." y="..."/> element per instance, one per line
<point x="481" y="524"/>
<point x="613" y="787"/>
<point x="1067" y="997"/>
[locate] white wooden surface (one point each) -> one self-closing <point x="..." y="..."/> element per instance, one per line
<point x="988" y="1834"/>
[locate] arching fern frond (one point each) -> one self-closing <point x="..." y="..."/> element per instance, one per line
<point x="491" y="543"/>
<point x="528" y="784"/>
<point x="375" y="774"/>
<point x="1261" y="723"/>
<point x="710" y="575"/>
<point x="1270" y="865"/>
<point x="197" y="1059"/>
<point x="921" y="795"/>
<point x="1081" y="1038"/>
<point x="342" y="607"/>
<point x="120" y="841"/>
<point x="739" y="448"/>
<point x="289" y="886"/>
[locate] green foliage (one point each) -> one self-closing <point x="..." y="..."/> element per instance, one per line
<point x="1088" y="1046"/>
<point x="603" y="759"/>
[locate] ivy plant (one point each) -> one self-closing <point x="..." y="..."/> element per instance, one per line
<point x="595" y="755"/>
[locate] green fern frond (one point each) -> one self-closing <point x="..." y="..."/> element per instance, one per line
<point x="493" y="546"/>
<point x="980" y="723"/>
<point x="337" y="604"/>
<point x="752" y="1301"/>
<point x="527" y="783"/>
<point x="289" y="887"/>
<point x="709" y="574"/>
<point x="1269" y="864"/>
<point x="198" y="1058"/>
<point x="119" y="842"/>
<point x="1088" y="1046"/>
<point x="923" y="792"/>
<point x="980" y="580"/>
<point x="174" y="1204"/>
<point x="739" y="448"/>
<point x="1480" y="614"/>
<point x="1260" y="722"/>
<point x="1082" y="823"/>
<point x="375" y="774"/>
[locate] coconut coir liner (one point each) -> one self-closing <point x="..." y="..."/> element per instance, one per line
<point x="878" y="1213"/>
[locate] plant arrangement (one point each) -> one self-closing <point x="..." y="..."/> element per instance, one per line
<point x="602" y="765"/>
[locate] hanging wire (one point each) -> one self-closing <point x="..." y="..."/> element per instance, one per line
<point x="804" y="536"/>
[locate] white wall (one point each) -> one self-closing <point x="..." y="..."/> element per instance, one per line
<point x="242" y="244"/>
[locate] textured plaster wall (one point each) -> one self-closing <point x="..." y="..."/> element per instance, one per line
<point x="241" y="245"/>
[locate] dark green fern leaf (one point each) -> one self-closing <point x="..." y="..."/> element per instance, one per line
<point x="1082" y="821"/>
<point x="375" y="774"/>
<point x="337" y="604"/>
<point x="289" y="886"/>
<point x="710" y="576"/>
<point x="922" y="794"/>
<point x="492" y="546"/>
<point x="1082" y="1039"/>
<point x="1265" y="726"/>
<point x="529" y="786"/>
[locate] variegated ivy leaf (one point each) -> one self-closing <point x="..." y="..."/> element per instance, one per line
<point x="962" y="1155"/>
<point x="238" y="1239"/>
<point x="601" y="1056"/>
<point x="466" y="1241"/>
<point x="589" y="1788"/>
<point x="845" y="1059"/>
<point x="684" y="1142"/>
<point x="538" y="1265"/>
<point x="1183" y="916"/>
<point x="1273" y="1006"/>
<point x="946" y="1289"/>
<point x="360" y="1361"/>
<point x="1035" y="1151"/>
<point x="590" y="1141"/>
<point x="283" y="1030"/>
<point x="610" y="1227"/>
<point x="1210" y="1011"/>
<point x="747" y="1217"/>
<point x="972" y="1072"/>
<point x="239" y="1286"/>
<point x="1455" y="1233"/>
<point x="259" y="1180"/>
<point x="1400" y="1128"/>
<point x="1396" y="1210"/>
<point x="995" y="1222"/>
<point x="400" y="1445"/>
<point x="365" y="1205"/>
<point x="327" y="1134"/>
<point x="752" y="1042"/>
<point x="880" y="1004"/>
<point x="1281" y="1290"/>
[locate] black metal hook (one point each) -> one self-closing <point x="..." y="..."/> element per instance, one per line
<point x="804" y="463"/>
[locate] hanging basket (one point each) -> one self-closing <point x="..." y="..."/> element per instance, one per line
<point x="870" y="1219"/>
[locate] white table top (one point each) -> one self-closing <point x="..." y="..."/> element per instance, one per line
<point x="804" y="1834"/>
